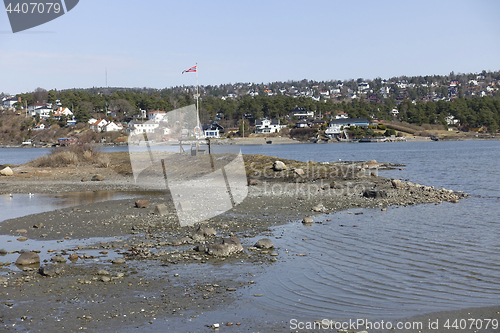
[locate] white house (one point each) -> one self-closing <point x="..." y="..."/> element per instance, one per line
<point x="112" y="127"/>
<point x="362" y="86"/>
<point x="39" y="127"/>
<point x="92" y="121"/>
<point x="341" y="115"/>
<point x="32" y="107"/>
<point x="98" y="125"/>
<point x="450" y="120"/>
<point x="338" y="125"/>
<point x="268" y="126"/>
<point x="157" y="116"/>
<point x="212" y="131"/>
<point x="394" y="112"/>
<point x="9" y="102"/>
<point x="301" y="113"/>
<point x="43" y="111"/>
<point x="147" y="127"/>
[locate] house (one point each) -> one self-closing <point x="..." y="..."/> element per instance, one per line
<point x="302" y="124"/>
<point x="98" y="125"/>
<point x="140" y="128"/>
<point x="454" y="83"/>
<point x="336" y="126"/>
<point x="212" y="130"/>
<point x="341" y="115"/>
<point x="301" y="113"/>
<point x="363" y="86"/>
<point x="39" y="127"/>
<point x="112" y="127"/>
<point x="32" y="107"/>
<point x="92" y="121"/>
<point x="394" y="112"/>
<point x="450" y="120"/>
<point x="59" y="113"/>
<point x="157" y="116"/>
<point x="268" y="126"/>
<point x="43" y="111"/>
<point x="9" y="102"/>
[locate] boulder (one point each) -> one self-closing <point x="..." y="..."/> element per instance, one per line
<point x="279" y="166"/>
<point x="252" y="182"/>
<point x="51" y="270"/>
<point x="161" y="209"/>
<point x="28" y="258"/>
<point x="307" y="221"/>
<point x="84" y="179"/>
<point x="396" y="183"/>
<point x="318" y="208"/>
<point x="7" y="172"/>
<point x="371" y="164"/>
<point x="299" y="172"/>
<point x="3" y="252"/>
<point x="142" y="203"/>
<point x="228" y="247"/>
<point x="374" y="194"/>
<point x="58" y="258"/>
<point x="97" y="178"/>
<point x="203" y="233"/>
<point x="264" y="243"/>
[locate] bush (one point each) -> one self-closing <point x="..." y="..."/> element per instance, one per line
<point x="382" y="127"/>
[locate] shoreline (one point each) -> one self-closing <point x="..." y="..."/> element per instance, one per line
<point x="283" y="140"/>
<point x="156" y="249"/>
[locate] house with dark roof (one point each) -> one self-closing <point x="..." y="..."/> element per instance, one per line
<point x="268" y="126"/>
<point x="212" y="130"/>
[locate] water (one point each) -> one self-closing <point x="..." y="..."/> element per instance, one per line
<point x="398" y="263"/>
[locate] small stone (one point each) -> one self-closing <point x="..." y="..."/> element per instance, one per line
<point x="142" y="203"/>
<point x="22" y="231"/>
<point x="299" y="172"/>
<point x="3" y="279"/>
<point x="84" y="180"/>
<point x="318" y="208"/>
<point x="118" y="261"/>
<point x="22" y="239"/>
<point x="102" y="272"/>
<point x="73" y="257"/>
<point x="105" y="278"/>
<point x="38" y="225"/>
<point x="204" y="232"/>
<point x="51" y="270"/>
<point x="97" y="178"/>
<point x="161" y="210"/>
<point x="3" y="252"/>
<point x="59" y="259"/>
<point x="264" y="243"/>
<point x="252" y="182"/>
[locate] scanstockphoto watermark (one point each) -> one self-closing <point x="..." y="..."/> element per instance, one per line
<point x="307" y="190"/>
<point x="24" y="15"/>
<point x="355" y="324"/>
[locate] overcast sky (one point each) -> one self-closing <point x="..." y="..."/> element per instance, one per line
<point x="149" y="43"/>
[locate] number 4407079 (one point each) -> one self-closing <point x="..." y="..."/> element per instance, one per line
<point x="34" y="7"/>
<point x="462" y="324"/>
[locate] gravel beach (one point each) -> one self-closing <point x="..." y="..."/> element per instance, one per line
<point x="152" y="270"/>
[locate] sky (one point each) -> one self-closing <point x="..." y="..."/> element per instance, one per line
<point x="149" y="43"/>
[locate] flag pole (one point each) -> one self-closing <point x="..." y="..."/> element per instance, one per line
<point x="197" y="99"/>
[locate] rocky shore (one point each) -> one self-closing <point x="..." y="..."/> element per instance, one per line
<point x="150" y="269"/>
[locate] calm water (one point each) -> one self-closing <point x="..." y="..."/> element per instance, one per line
<point x="393" y="264"/>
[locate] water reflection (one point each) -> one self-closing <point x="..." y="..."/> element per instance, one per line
<point x="18" y="205"/>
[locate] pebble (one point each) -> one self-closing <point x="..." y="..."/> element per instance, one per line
<point x="118" y="261"/>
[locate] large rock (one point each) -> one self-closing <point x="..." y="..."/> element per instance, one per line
<point x="371" y="164"/>
<point x="28" y="258"/>
<point x="98" y="178"/>
<point x="51" y="270"/>
<point x="142" y="203"/>
<point x="58" y="258"/>
<point x="203" y="233"/>
<point x="279" y="166"/>
<point x="374" y="194"/>
<point x="7" y="172"/>
<point x="300" y="172"/>
<point x="264" y="243"/>
<point x="307" y="221"/>
<point x="228" y="247"/>
<point x="396" y="183"/>
<point x="319" y="208"/>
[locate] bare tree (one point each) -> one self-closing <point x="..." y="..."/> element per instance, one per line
<point x="40" y="95"/>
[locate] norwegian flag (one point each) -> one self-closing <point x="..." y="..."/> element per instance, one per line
<point x="190" y="70"/>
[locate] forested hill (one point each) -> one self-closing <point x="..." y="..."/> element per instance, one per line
<point x="473" y="99"/>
